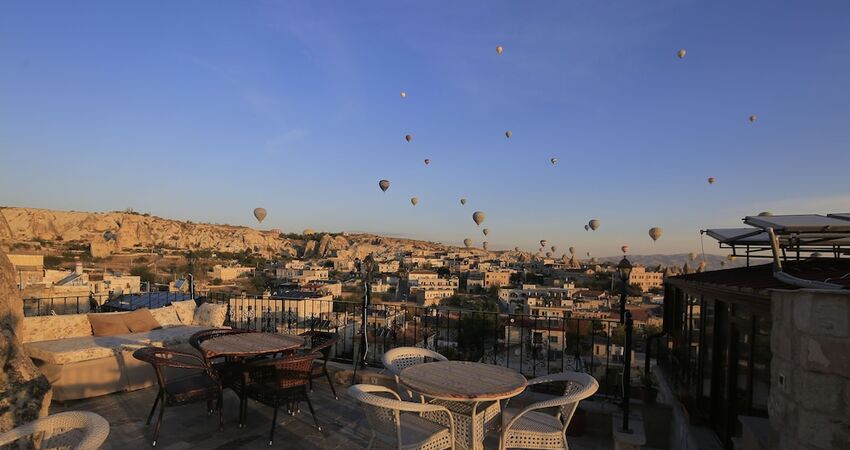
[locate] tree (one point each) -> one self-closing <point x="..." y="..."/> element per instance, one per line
<point x="144" y="273"/>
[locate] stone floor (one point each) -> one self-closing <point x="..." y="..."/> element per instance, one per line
<point x="343" y="424"/>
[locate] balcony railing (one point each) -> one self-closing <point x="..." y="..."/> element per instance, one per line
<point x="532" y="345"/>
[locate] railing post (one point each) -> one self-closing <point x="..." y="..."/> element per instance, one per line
<point x="627" y="372"/>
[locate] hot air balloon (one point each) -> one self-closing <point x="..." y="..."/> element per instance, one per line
<point x="414" y="201"/>
<point x="548" y="254"/>
<point x="508" y="134"/>
<point x="722" y="263"/>
<point x="765" y="214"/>
<point x="463" y="201"/>
<point x="499" y="49"/>
<point x="516" y="249"/>
<point x="486" y="231"/>
<point x="588" y="254"/>
<point x="711" y="180"/>
<point x="655" y="233"/>
<point x="692" y="256"/>
<point x="427" y="161"/>
<point x="403" y="94"/>
<point x="485" y="244"/>
<point x="543" y="242"/>
<point x="408" y="137"/>
<point x="753" y="118"/>
<point x="586" y="227"/>
<point x="594" y="260"/>
<point x="702" y="266"/>
<point x="260" y="214"/>
<point x="467" y="242"/>
<point x="594" y="224"/>
<point x="553" y="248"/>
<point x="384" y="185"/>
<point x="624" y="248"/>
<point x="572" y="251"/>
<point x="478" y="217"/>
<point x="554" y="161"/>
<point x="308" y="231"/>
<point x="731" y="258"/>
<point x="681" y="53"/>
<point x="109" y="236"/>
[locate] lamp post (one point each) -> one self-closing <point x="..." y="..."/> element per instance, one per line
<point x="624" y="268"/>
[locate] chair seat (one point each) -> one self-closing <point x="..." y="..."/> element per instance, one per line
<point x="416" y="431"/>
<point x="191" y="389"/>
<point x="534" y="422"/>
<point x="269" y="392"/>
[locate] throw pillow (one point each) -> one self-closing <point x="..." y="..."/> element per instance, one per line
<point x="166" y="317"/>
<point x="140" y="320"/>
<point x="185" y="311"/>
<point x="107" y="324"/>
<point x="210" y="315"/>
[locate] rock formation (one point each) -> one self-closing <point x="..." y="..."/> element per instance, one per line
<point x="24" y="392"/>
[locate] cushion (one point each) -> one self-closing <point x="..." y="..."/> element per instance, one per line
<point x="76" y="349"/>
<point x="107" y="324"/>
<point x="163" y="337"/>
<point x="140" y="320"/>
<point x="46" y="328"/>
<point x="185" y="311"/>
<point x="210" y="315"/>
<point x="166" y="317"/>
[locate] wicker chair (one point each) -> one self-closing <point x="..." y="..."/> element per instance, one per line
<point x="530" y="428"/>
<point x="399" y="423"/>
<point x="397" y="359"/>
<point x="77" y="430"/>
<point x="322" y="342"/>
<point x="281" y="381"/>
<point x="227" y="371"/>
<point x="202" y="385"/>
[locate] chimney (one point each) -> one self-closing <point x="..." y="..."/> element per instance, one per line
<point x="78" y="268"/>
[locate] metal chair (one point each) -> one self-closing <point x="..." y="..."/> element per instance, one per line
<point x="399" y="423"/>
<point x="532" y="429"/>
<point x="78" y="430"/>
<point x="204" y="384"/>
<point x="281" y="381"/>
<point x="322" y="342"/>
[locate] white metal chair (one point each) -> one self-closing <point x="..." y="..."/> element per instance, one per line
<point x="76" y="430"/>
<point x="397" y="359"/>
<point x="532" y="429"/>
<point x="399" y="423"/>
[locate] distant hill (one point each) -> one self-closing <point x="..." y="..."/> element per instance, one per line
<point x="713" y="262"/>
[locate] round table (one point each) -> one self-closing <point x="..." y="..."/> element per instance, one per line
<point x="244" y="345"/>
<point x="469" y="382"/>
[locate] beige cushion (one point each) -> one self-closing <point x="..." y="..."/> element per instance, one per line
<point x="164" y="337"/>
<point x="46" y="328"/>
<point x="140" y="320"/>
<point x="166" y="317"/>
<point x="210" y="315"/>
<point x="108" y="324"/>
<point x="185" y="311"/>
<point x="71" y="350"/>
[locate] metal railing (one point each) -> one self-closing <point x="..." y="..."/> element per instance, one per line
<point x="532" y="345"/>
<point x="81" y="304"/>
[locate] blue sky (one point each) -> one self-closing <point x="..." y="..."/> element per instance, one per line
<point x="204" y="110"/>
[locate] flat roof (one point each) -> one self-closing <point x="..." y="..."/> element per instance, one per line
<point x="800" y="223"/>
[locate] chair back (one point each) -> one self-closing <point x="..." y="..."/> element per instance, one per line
<point x="577" y="387"/>
<point x="400" y="358"/>
<point x="80" y="430"/>
<point x="204" y="335"/>
<point x="286" y="372"/>
<point x="321" y="342"/>
<point x="160" y="358"/>
<point x="382" y="407"/>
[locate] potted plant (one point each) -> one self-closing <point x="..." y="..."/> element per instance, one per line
<point x="647" y="389"/>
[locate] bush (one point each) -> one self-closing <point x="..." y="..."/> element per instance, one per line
<point x="216" y="282"/>
<point x="144" y="273"/>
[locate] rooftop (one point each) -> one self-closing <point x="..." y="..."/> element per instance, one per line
<point x="760" y="278"/>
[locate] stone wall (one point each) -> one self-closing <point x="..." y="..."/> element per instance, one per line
<point x="809" y="404"/>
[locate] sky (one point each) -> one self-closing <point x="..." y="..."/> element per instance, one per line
<point x="203" y="111"/>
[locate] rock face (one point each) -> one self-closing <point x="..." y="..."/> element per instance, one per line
<point x="114" y="232"/>
<point x="24" y="392"/>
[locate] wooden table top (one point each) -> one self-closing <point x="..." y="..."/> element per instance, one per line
<point x="251" y="344"/>
<point x="463" y="381"/>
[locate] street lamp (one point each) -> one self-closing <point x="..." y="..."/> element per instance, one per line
<point x="624" y="269"/>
